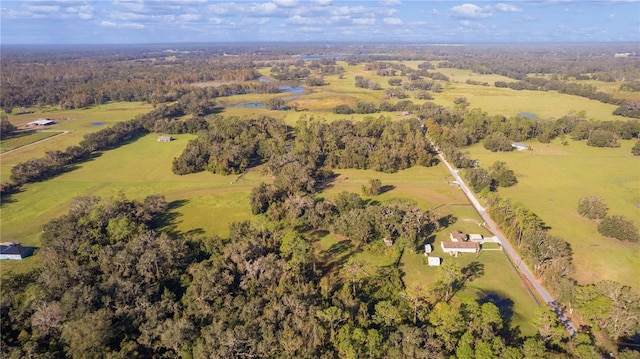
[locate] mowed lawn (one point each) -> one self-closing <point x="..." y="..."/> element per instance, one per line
<point x="552" y="178"/>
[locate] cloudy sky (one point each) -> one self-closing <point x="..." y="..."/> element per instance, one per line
<point x="439" y="21"/>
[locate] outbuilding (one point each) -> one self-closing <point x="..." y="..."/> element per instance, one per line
<point x="519" y="146"/>
<point x="434" y="261"/>
<point x="40" y="122"/>
<point x="165" y="138"/>
<point x="14" y="251"/>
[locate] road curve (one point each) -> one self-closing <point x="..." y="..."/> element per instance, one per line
<point x="513" y="255"/>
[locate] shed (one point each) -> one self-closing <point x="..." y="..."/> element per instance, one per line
<point x="14" y="251"/>
<point x="428" y="248"/>
<point x="474" y="237"/>
<point x="519" y="146"/>
<point x="457" y="236"/>
<point x="165" y="138"/>
<point x="460" y="247"/>
<point x="434" y="261"/>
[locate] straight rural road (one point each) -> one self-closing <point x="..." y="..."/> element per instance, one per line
<point x="35" y="143"/>
<point x="513" y="255"/>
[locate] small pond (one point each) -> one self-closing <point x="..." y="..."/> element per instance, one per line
<point x="97" y="124"/>
<point x="247" y="105"/>
<point x="528" y="115"/>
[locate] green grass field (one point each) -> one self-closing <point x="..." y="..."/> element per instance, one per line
<point x="77" y="122"/>
<point x="553" y="177"/>
<point x="25" y="138"/>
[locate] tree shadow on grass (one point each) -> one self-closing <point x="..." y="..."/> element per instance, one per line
<point x="168" y="221"/>
<point x="338" y="254"/>
<point x="387" y="188"/>
<point x="504" y="303"/>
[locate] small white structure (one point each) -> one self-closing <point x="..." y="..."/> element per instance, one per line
<point x="40" y="122"/>
<point x="454" y="248"/>
<point x="388" y="242"/>
<point x="474" y="237"/>
<point x="165" y="138"/>
<point x="428" y="248"/>
<point x="519" y="146"/>
<point x="434" y="261"/>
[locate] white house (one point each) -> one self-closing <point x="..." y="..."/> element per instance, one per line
<point x="454" y="248"/>
<point x="434" y="261"/>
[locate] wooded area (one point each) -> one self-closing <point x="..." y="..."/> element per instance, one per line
<point x="113" y="280"/>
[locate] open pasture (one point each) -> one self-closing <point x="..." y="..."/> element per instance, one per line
<point x="508" y="102"/>
<point x="202" y="201"/>
<point x="77" y="122"/>
<point x="552" y="178"/>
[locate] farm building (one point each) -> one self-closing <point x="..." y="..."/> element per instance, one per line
<point x="428" y="248"/>
<point x="519" y="146"/>
<point x="40" y="122"/>
<point x="14" y="251"/>
<point x="165" y="138"/>
<point x="434" y="261"/>
<point x="457" y="236"/>
<point x="460" y="247"/>
<point x="474" y="237"/>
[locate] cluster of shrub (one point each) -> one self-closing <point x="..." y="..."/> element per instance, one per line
<point x="614" y="226"/>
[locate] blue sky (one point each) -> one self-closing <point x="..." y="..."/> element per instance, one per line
<point x="440" y="21"/>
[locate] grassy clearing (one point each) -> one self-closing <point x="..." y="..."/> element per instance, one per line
<point x="78" y="122"/>
<point x="508" y="102"/>
<point x="553" y="177"/>
<point x="23" y="139"/>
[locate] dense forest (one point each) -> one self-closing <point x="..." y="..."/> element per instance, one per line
<point x="114" y="280"/>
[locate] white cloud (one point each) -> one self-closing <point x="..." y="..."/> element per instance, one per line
<point x="322" y="2"/>
<point x="251" y="9"/>
<point x="310" y="29"/>
<point x="189" y="17"/>
<point x="131" y="25"/>
<point x="390" y="2"/>
<point x="392" y="21"/>
<point x="131" y="5"/>
<point x="286" y="3"/>
<point x="43" y="8"/>
<point x="507" y="8"/>
<point x="470" y="11"/>
<point x="363" y="21"/>
<point x="255" y="21"/>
